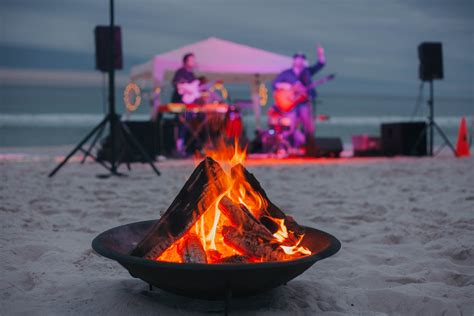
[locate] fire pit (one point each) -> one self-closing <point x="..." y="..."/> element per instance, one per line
<point x="220" y="236"/>
<point x="209" y="281"/>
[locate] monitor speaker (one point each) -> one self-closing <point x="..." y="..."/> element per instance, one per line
<point x="404" y="139"/>
<point x="143" y="131"/>
<point x="167" y="131"/>
<point x="102" y="48"/>
<point x="366" y="146"/>
<point x="324" y="147"/>
<point x="145" y="134"/>
<point x="431" y="61"/>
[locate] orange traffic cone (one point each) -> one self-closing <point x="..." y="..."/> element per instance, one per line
<point x="462" y="145"/>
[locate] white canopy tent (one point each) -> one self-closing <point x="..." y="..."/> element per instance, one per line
<point x="217" y="59"/>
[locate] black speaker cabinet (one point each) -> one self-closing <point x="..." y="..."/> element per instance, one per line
<point x="403" y="139"/>
<point x="145" y="134"/>
<point x="143" y="131"/>
<point x="157" y="138"/>
<point x="324" y="147"/>
<point x="431" y="61"/>
<point x="167" y="131"/>
<point x="102" y="47"/>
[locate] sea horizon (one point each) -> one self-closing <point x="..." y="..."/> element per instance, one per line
<point x="39" y="115"/>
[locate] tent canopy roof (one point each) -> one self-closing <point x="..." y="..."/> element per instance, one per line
<point x="216" y="59"/>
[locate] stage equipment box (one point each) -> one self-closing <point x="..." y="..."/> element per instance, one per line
<point x="404" y="139"/>
<point x="324" y="147"/>
<point x="366" y="145"/>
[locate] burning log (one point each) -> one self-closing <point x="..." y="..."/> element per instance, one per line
<point x="207" y="180"/>
<point x="269" y="224"/>
<point x="233" y="259"/>
<point x="251" y="245"/>
<point x="191" y="250"/>
<point x="284" y="236"/>
<point x="213" y="256"/>
<point x="241" y="217"/>
<point x="271" y="209"/>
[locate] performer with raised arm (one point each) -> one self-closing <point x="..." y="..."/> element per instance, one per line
<point x="294" y="91"/>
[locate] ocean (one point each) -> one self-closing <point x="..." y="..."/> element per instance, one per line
<point x="49" y="116"/>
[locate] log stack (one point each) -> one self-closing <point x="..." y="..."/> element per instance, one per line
<point x="251" y="236"/>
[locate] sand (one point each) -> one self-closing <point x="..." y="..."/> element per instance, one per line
<point x="406" y="227"/>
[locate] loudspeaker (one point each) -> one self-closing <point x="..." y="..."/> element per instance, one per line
<point x="102" y="48"/>
<point x="167" y="131"/>
<point x="431" y="61"/>
<point x="324" y="147"/>
<point x="366" y="146"/>
<point x="143" y="131"/>
<point x="404" y="138"/>
<point x="145" y="134"/>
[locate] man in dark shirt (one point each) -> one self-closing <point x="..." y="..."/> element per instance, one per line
<point x="300" y="72"/>
<point x="183" y="75"/>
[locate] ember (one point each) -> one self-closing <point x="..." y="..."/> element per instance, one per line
<point x="223" y="215"/>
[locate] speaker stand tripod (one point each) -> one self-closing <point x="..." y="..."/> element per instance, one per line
<point x="432" y="125"/>
<point x="121" y="136"/>
<point x="119" y="133"/>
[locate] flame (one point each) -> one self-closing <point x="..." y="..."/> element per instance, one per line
<point x="227" y="155"/>
<point x="212" y="234"/>
<point x="282" y="236"/>
<point x="282" y="233"/>
<point x="209" y="226"/>
<point x="291" y="250"/>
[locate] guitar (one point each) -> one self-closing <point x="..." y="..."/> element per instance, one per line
<point x="191" y="91"/>
<point x="290" y="95"/>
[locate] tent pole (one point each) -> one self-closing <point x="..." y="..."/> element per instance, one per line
<point x="256" y="101"/>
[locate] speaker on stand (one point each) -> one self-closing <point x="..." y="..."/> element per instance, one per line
<point x="431" y="68"/>
<point x="431" y="61"/>
<point x="108" y="58"/>
<point x="102" y="48"/>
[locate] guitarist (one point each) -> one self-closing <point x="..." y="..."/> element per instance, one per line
<point x="301" y="73"/>
<point x="184" y="74"/>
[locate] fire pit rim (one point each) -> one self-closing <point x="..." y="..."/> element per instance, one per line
<point x="100" y="248"/>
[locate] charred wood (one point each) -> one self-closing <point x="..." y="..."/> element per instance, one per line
<point x="191" y="250"/>
<point x="208" y="179"/>
<point x="241" y="217"/>
<point x="251" y="245"/>
<point x="233" y="259"/>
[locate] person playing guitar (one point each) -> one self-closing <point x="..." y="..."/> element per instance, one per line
<point x="189" y="91"/>
<point x="294" y="90"/>
<point x="183" y="81"/>
<point x="183" y="76"/>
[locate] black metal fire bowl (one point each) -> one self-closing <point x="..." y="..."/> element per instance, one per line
<point x="209" y="281"/>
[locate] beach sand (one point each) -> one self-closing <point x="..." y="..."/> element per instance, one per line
<point x="406" y="227"/>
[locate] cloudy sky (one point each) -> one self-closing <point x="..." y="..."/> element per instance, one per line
<point x="370" y="44"/>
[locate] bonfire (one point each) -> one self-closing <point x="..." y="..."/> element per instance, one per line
<point x="222" y="215"/>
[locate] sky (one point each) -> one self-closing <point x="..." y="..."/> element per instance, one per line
<point x="370" y="44"/>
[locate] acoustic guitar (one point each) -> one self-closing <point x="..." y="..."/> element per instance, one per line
<point x="290" y="95"/>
